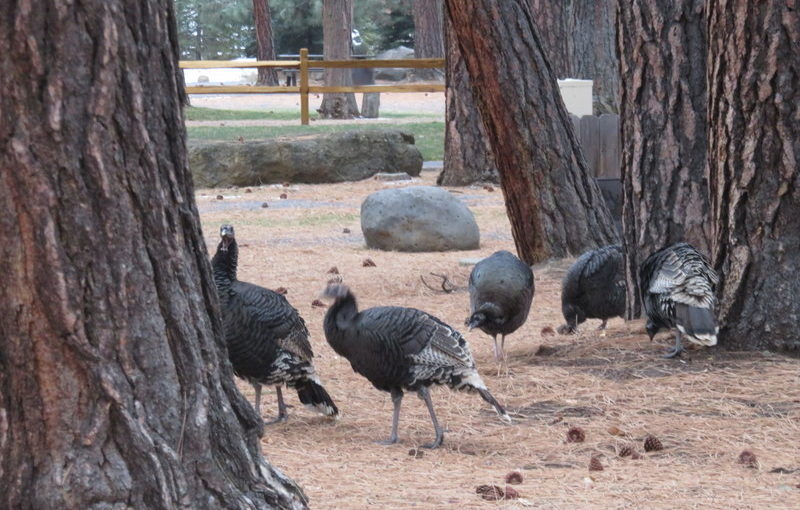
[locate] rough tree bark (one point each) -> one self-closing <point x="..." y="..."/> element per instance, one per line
<point x="428" y="35"/>
<point x="337" y="20"/>
<point x="265" y="49"/>
<point x="579" y="41"/>
<point x="754" y="159"/>
<point x="554" y="205"/>
<point x="467" y="153"/>
<point x="663" y="129"/>
<point x="115" y="389"/>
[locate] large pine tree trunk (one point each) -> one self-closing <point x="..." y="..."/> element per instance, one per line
<point x="467" y="153"/>
<point x="265" y="49"/>
<point x="428" y="35"/>
<point x="754" y="157"/>
<point x="579" y="41"/>
<point x="554" y="205"/>
<point x="663" y="128"/>
<point x="337" y="19"/>
<point x="115" y="390"/>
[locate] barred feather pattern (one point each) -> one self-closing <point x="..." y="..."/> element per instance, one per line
<point x="677" y="274"/>
<point x="268" y="341"/>
<point x="501" y="287"/>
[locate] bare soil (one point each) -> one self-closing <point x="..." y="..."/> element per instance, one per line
<point x="706" y="408"/>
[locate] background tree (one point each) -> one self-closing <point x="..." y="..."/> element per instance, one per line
<point x="115" y="389"/>
<point x="265" y="50"/>
<point x="554" y="205"/>
<point x="579" y="41"/>
<point x="663" y="130"/>
<point x="467" y="154"/>
<point x="214" y="29"/>
<point x="754" y="159"/>
<point x="428" y="35"/>
<point x="337" y="18"/>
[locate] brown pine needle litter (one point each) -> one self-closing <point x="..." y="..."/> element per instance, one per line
<point x="706" y="407"/>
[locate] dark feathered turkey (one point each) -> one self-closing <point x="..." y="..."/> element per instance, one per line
<point x="267" y="339"/>
<point x="593" y="288"/>
<point x="678" y="287"/>
<point x="402" y="349"/>
<point x="500" y="293"/>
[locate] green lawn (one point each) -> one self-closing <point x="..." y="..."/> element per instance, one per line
<point x="196" y="113"/>
<point x="428" y="136"/>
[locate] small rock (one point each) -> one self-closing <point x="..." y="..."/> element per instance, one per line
<point x="368" y="263"/>
<point x="248" y="190"/>
<point x="394" y="176"/>
<point x="264" y="205"/>
<point x="286" y="184"/>
<point x="333" y="270"/>
<point x="547" y="331"/>
<point x="318" y="303"/>
<point x="345" y="231"/>
<point x="284" y="196"/>
<point x="220" y="197"/>
<point x="615" y="431"/>
<point x="488" y="188"/>
<point x="514" y="478"/>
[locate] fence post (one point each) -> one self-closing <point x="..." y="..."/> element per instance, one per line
<point x="304" y="86"/>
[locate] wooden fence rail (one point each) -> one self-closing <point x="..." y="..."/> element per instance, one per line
<point x="303" y="66"/>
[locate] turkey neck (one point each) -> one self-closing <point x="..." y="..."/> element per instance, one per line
<point x="338" y="320"/>
<point x="224" y="264"/>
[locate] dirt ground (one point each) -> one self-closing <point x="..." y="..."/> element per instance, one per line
<point x="705" y="408"/>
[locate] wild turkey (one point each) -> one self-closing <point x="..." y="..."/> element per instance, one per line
<point x="402" y="349"/>
<point x="266" y="337"/>
<point x="678" y="291"/>
<point x="593" y="288"/>
<point x="500" y="293"/>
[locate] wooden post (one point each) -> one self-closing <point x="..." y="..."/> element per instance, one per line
<point x="304" y="86"/>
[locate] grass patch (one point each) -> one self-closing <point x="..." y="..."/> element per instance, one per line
<point x="198" y="113"/>
<point x="428" y="136"/>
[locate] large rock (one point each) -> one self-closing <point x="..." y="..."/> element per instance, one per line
<point x="337" y="157"/>
<point x="418" y="218"/>
<point x="393" y="73"/>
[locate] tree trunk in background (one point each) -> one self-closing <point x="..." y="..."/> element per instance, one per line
<point x="754" y="158"/>
<point x="554" y="205"/>
<point x="337" y="19"/>
<point x="115" y="389"/>
<point x="579" y="41"/>
<point x="467" y="152"/>
<point x="663" y="130"/>
<point x="428" y="35"/>
<point x="264" y="44"/>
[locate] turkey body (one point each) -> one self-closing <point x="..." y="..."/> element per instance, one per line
<point x="594" y="288"/>
<point x="678" y="286"/>
<point x="267" y="339"/>
<point x="402" y="349"/>
<point x="501" y="289"/>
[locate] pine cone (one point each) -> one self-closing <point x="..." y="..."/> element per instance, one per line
<point x="333" y="270"/>
<point x="318" y="303"/>
<point x="284" y="196"/>
<point x="282" y="290"/>
<point x="576" y="435"/>
<point x="514" y="478"/>
<point x="652" y="444"/>
<point x="748" y="458"/>
<point x="368" y="263"/>
<point x="626" y="451"/>
<point x="595" y="464"/>
<point x="490" y="492"/>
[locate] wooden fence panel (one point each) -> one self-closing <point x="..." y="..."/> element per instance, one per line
<point x="600" y="143"/>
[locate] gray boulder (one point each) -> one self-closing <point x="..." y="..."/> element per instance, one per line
<point x="393" y="73"/>
<point x="336" y="157"/>
<point x="418" y="218"/>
